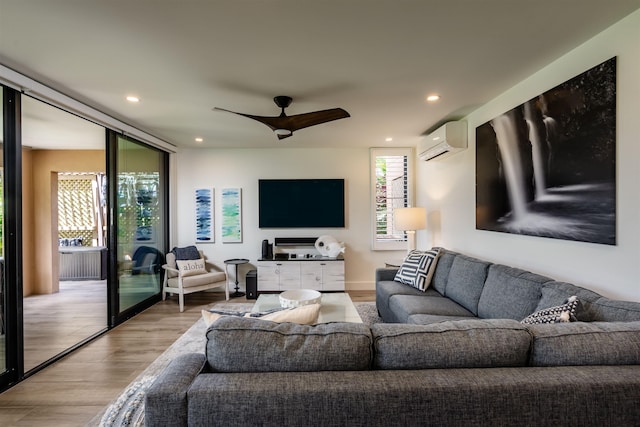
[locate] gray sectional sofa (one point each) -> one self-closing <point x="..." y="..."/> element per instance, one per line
<point x="494" y="372"/>
<point x="456" y="355"/>
<point x="464" y="287"/>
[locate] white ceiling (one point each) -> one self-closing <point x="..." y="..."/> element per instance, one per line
<point x="378" y="59"/>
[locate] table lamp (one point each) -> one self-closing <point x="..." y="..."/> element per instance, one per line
<point x="409" y="220"/>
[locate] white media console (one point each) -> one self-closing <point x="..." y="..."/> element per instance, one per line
<point x="300" y="268"/>
<point x="325" y="274"/>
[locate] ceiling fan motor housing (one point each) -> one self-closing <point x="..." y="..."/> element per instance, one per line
<point x="282" y="101"/>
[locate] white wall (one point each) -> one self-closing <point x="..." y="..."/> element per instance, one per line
<point x="446" y="187"/>
<point x="219" y="168"/>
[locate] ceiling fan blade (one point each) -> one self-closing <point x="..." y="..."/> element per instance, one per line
<point x="301" y="121"/>
<point x="295" y="122"/>
<point x="240" y="114"/>
<point x="269" y="121"/>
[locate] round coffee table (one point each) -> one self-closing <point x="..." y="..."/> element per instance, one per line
<point x="236" y="262"/>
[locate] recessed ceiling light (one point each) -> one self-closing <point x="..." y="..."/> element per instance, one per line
<point x="133" y="99"/>
<point x="433" y="98"/>
<point x="198" y="139"/>
<point x="389" y="139"/>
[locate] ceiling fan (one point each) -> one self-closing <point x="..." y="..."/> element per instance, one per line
<point x="284" y="125"/>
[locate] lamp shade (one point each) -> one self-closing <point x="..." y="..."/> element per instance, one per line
<point x="410" y="219"/>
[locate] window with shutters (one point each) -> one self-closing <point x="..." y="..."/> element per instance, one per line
<point x="391" y="187"/>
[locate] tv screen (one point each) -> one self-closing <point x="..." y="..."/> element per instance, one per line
<point x="301" y="203"/>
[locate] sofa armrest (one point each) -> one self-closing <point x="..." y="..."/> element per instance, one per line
<point x="385" y="274"/>
<point x="166" y="399"/>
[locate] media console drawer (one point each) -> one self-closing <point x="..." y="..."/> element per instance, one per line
<point x="320" y="274"/>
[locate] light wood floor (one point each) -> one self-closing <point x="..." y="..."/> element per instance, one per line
<point x="72" y="391"/>
<point x="55" y="322"/>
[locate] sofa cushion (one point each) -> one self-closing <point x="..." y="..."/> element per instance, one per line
<point x="441" y="275"/>
<point x="457" y="344"/>
<point x="404" y="306"/>
<point x="239" y="344"/>
<point x="417" y="269"/>
<point x="510" y="293"/>
<point x="426" y="319"/>
<point x="593" y="306"/>
<point x="615" y="311"/>
<point x="555" y="293"/>
<point x="560" y="313"/>
<point x="387" y="288"/>
<point x="580" y="343"/>
<point x="582" y="396"/>
<point x="465" y="282"/>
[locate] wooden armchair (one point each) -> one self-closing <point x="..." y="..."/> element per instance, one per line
<point x="194" y="276"/>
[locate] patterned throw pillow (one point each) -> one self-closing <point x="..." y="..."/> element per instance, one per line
<point x="417" y="268"/>
<point x="558" y="314"/>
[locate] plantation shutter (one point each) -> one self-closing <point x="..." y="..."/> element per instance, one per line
<point x="391" y="188"/>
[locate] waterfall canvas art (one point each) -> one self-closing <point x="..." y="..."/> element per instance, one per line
<point x="548" y="167"/>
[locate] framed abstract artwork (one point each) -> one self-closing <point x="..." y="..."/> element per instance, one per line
<point x="204" y="215"/>
<point x="231" y="215"/>
<point x="547" y="167"/>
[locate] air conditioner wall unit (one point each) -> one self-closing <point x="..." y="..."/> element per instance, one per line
<point x="448" y="139"/>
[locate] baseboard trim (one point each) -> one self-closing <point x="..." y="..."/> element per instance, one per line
<point x="360" y="286"/>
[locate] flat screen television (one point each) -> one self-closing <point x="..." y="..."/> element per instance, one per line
<point x="301" y="203"/>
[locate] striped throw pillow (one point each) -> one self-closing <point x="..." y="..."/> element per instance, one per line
<point x="417" y="268"/>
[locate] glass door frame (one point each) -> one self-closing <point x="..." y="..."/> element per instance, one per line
<point x="115" y="316"/>
<point x="12" y="152"/>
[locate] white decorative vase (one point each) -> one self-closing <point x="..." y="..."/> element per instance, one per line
<point x="328" y="246"/>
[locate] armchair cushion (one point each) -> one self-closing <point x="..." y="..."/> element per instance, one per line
<point x="191" y="267"/>
<point x="199" y="279"/>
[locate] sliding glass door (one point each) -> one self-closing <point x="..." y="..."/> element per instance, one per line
<point x="64" y="286"/>
<point x="78" y="218"/>
<point x="140" y="227"/>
